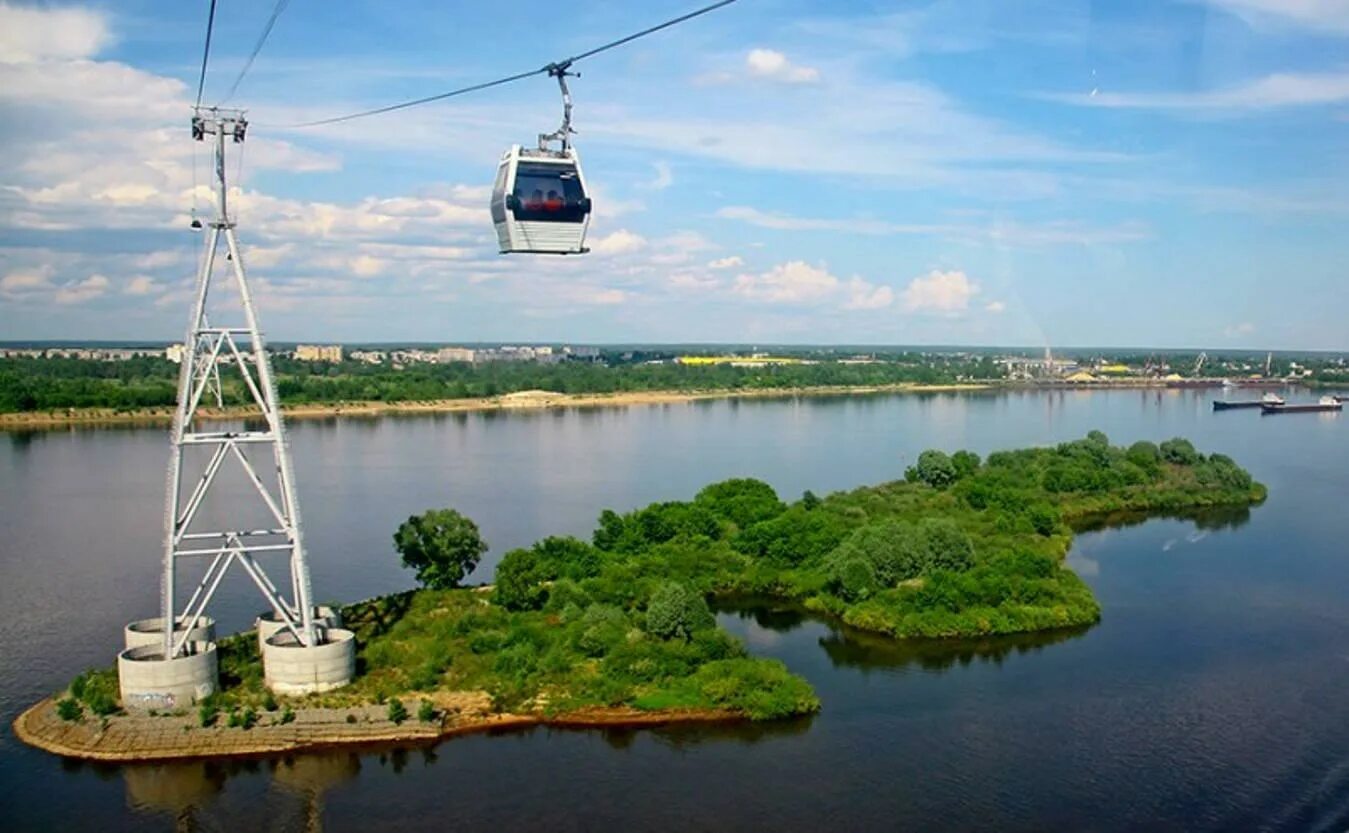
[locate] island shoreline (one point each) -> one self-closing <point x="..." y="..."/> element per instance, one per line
<point x="38" y="726"/>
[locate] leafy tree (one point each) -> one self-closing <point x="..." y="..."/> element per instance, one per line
<point x="1144" y="454"/>
<point x="397" y="711"/>
<point x="854" y="579"/>
<point x="677" y="610"/>
<point x="442" y="545"/>
<point x="1099" y="438"/>
<point x="966" y="463"/>
<point x="1179" y="451"/>
<point x="742" y="501"/>
<point x="946" y="546"/>
<point x="933" y="468"/>
<point x="809" y="500"/>
<point x="519" y="581"/>
<point x="797" y="536"/>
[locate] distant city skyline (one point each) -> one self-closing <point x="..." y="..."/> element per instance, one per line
<point x="938" y="174"/>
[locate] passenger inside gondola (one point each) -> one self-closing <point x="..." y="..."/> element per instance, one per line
<point x="535" y="201"/>
<point x="554" y="202"/>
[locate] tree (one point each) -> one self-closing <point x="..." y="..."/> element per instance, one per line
<point x="934" y="468"/>
<point x="519" y="581"/>
<point x="1179" y="451"/>
<point x="442" y="545"/>
<point x="966" y="463"/>
<point x="741" y="500"/>
<point x="947" y="545"/>
<point x="677" y="610"/>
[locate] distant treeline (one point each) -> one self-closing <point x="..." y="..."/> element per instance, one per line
<point x="33" y="384"/>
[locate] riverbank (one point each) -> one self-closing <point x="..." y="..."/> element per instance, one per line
<point x="141" y="738"/>
<point x="521" y="400"/>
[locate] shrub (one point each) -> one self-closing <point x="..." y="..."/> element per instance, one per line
<point x="269" y="702"/>
<point x="426" y="712"/>
<point x="69" y="709"/>
<point x="351" y="718"/>
<point x="287" y="716"/>
<point x="564" y="594"/>
<point x="397" y="711"/>
<point x="207" y="712"/>
<point x="797" y="536"/>
<point x="677" y="610"/>
<point x="762" y="689"/>
<point x="600" y="629"/>
<point x="894" y="550"/>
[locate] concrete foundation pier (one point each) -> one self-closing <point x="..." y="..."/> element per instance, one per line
<point x="269" y="624"/>
<point x="290" y="667"/>
<point x="151" y="631"/>
<point x="148" y="681"/>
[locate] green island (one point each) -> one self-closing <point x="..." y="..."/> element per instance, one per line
<point x="960" y="547"/>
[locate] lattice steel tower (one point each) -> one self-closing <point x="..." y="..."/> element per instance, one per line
<point x="211" y="349"/>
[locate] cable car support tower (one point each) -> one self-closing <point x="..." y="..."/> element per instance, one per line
<point x="302" y="649"/>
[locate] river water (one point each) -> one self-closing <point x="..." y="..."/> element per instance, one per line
<point x="1213" y="695"/>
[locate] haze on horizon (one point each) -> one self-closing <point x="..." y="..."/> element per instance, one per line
<point x="779" y="172"/>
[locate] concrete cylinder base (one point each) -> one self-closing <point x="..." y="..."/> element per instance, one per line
<point x="151" y="631"/>
<point x="289" y="667"/>
<point x="148" y="681"/>
<point x="269" y="624"/>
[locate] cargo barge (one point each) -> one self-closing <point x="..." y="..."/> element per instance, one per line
<point x="1271" y="399"/>
<point x="1325" y="403"/>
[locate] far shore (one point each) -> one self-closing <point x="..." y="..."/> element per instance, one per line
<point x="141" y="738"/>
<point x="521" y="400"/>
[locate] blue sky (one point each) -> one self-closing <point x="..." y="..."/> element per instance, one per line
<point x="975" y="172"/>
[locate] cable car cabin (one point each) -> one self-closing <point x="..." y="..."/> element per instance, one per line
<point x="539" y="203"/>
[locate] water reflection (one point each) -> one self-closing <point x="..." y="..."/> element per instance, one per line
<point x="1209" y="518"/>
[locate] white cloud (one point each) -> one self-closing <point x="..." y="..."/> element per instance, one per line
<point x="85" y="290"/>
<point x="618" y="242"/>
<point x="864" y="295"/>
<point x="664" y="177"/>
<point x="726" y="262"/>
<point x="999" y="231"/>
<point x="792" y="282"/>
<point x="774" y="66"/>
<point x="995" y="307"/>
<point x="1320" y="15"/>
<point x="29" y="34"/>
<point x="1284" y="89"/>
<point x="26" y="281"/>
<point x="142" y="285"/>
<point x="1245" y="328"/>
<point x="946" y="293"/>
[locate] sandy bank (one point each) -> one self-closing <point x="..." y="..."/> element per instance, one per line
<point x="128" y="738"/>
<point x="522" y="400"/>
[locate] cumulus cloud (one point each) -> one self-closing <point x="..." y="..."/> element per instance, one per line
<point x="864" y="295"/>
<point x="937" y="292"/>
<point x="774" y="66"/>
<point x="142" y="285"/>
<point x="28" y="34"/>
<point x="726" y="262"/>
<point x="618" y="242"/>
<point x="787" y="283"/>
<point x="85" y="290"/>
<point x="1319" y="15"/>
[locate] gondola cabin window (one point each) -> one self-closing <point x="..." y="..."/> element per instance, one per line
<point x="548" y="193"/>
